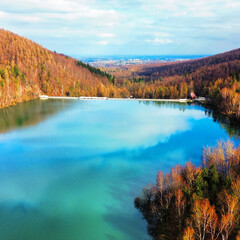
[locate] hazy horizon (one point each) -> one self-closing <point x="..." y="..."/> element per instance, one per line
<point x="141" y="55"/>
<point x="99" y="61"/>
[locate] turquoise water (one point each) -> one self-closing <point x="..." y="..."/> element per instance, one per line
<point x="70" y="170"/>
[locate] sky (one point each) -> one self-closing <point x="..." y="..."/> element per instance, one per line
<point x="126" y="27"/>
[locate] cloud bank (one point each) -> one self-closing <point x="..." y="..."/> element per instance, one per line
<point x="105" y="27"/>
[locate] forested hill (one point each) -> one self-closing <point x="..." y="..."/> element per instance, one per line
<point x="217" y="78"/>
<point x="28" y="70"/>
<point x="187" y="67"/>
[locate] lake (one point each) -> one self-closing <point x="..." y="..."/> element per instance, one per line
<point x="70" y="170"/>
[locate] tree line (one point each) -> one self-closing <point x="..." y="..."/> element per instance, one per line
<point x="28" y="70"/>
<point x="196" y="203"/>
<point x="219" y="83"/>
<point x="96" y="71"/>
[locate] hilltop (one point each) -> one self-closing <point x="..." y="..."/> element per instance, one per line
<point x="190" y="66"/>
<point x="28" y="70"/>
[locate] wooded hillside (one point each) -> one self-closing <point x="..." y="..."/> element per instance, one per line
<point x="28" y="70"/>
<point x="217" y="78"/>
<point x="188" y="67"/>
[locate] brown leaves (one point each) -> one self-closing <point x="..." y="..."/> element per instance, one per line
<point x="224" y="156"/>
<point x="160" y="180"/>
<point x="188" y="233"/>
<point x="176" y="205"/>
<point x="203" y="218"/>
<point x="43" y="72"/>
<point x="189" y="173"/>
<point x="236" y="187"/>
<point x="226" y="225"/>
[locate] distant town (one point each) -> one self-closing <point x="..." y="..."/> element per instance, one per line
<point x="113" y="61"/>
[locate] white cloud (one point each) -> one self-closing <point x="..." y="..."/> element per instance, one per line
<point x="19" y="17"/>
<point x="2" y="14"/>
<point x="163" y="22"/>
<point x="161" y="34"/>
<point x="106" y="35"/>
<point x="159" y="41"/>
<point x="102" y="42"/>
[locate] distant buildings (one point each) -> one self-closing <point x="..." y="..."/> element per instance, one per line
<point x="192" y="95"/>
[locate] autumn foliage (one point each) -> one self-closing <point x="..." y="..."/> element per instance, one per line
<point x="28" y="70"/>
<point x="193" y="203"/>
<point x="217" y="78"/>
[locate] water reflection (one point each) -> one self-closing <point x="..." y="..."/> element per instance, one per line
<point x="232" y="128"/>
<point x="30" y="113"/>
<point x="181" y="106"/>
<point x="75" y="175"/>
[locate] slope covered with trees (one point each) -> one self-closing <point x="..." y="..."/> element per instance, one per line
<point x="200" y="202"/>
<point x="28" y="70"/>
<point x="187" y="67"/>
<point x="217" y="78"/>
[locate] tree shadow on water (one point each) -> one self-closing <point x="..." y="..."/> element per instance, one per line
<point x="123" y="216"/>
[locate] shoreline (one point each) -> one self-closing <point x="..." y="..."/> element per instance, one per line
<point x="117" y="99"/>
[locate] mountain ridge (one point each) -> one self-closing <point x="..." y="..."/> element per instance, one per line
<point x="28" y="70"/>
<point x="189" y="66"/>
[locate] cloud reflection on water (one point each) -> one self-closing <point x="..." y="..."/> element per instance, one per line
<point x="75" y="175"/>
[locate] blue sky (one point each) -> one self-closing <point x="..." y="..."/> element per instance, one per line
<point x="126" y="27"/>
